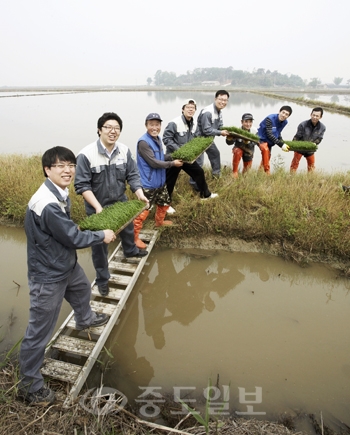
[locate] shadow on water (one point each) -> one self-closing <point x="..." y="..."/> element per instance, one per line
<point x="254" y="320"/>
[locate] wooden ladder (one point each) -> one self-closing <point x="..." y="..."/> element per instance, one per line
<point x="85" y="346"/>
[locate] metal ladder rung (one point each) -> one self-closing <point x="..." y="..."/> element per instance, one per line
<point x="102" y="307"/>
<point x="60" y="370"/>
<point x="114" y="293"/>
<point x="73" y="345"/>
<point x="119" y="279"/>
<point x="122" y="267"/>
<point x="120" y="256"/>
<point x="146" y="237"/>
<point x="97" y="330"/>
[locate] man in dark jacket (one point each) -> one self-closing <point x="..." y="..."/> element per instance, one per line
<point x="103" y="169"/>
<point x="177" y="133"/>
<point x="53" y="271"/>
<point x="209" y="123"/>
<point x="243" y="149"/>
<point x="269" y="133"/>
<point x="311" y="130"/>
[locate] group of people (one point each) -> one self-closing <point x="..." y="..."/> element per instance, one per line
<point x="270" y="134"/>
<point x="101" y="172"/>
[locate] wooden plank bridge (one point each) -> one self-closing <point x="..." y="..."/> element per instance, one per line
<point x="84" y="347"/>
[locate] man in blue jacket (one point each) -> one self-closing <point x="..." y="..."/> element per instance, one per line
<point x="269" y="132"/>
<point x="53" y="271"/>
<point x="152" y="165"/>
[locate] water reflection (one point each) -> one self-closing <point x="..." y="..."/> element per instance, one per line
<point x="14" y="295"/>
<point x="335" y="99"/>
<point x="37" y="112"/>
<point x="252" y="318"/>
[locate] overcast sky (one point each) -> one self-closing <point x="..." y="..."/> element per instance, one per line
<point x="104" y="42"/>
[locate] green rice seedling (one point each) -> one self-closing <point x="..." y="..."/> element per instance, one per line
<point x="192" y="149"/>
<point x="301" y="146"/>
<point x="205" y="422"/>
<point x="115" y="217"/>
<point x="10" y="353"/>
<point x="242" y="132"/>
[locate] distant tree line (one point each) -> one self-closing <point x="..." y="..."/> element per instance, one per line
<point x="227" y="76"/>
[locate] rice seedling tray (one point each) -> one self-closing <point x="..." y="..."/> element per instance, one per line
<point x="115" y="217"/>
<point x="190" y="152"/>
<point x="301" y="146"/>
<point x="242" y="134"/>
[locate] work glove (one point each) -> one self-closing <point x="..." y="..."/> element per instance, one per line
<point x="285" y="147"/>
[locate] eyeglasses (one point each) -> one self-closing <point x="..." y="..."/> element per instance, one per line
<point x="223" y="100"/>
<point x="62" y="165"/>
<point x="111" y="127"/>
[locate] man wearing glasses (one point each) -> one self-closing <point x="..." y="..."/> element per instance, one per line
<point x="53" y="271"/>
<point x="177" y="133"/>
<point x="208" y="124"/>
<point x="103" y="168"/>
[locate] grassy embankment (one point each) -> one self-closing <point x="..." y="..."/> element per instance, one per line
<point x="332" y="107"/>
<point x="302" y="217"/>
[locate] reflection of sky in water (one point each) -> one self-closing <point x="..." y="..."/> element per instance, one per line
<point x="343" y="100"/>
<point x="46" y="117"/>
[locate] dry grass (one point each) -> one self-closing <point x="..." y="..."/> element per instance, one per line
<point x="307" y="215"/>
<point x="16" y="417"/>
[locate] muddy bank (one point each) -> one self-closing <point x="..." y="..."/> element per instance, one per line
<point x="107" y="417"/>
<point x="283" y="249"/>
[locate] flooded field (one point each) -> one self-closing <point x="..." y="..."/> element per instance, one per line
<point x="76" y="127"/>
<point x="273" y="333"/>
<point x="254" y="320"/>
<point x="251" y="319"/>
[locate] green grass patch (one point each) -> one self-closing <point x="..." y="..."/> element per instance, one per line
<point x="331" y="107"/>
<point x="303" y="213"/>
<point x="242" y="132"/>
<point x="192" y="149"/>
<point x="114" y="217"/>
<point x="301" y="146"/>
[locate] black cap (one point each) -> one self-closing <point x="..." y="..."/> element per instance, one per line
<point x="246" y="116"/>
<point x="153" y="116"/>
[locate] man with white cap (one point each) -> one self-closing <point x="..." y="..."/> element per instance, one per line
<point x="178" y="132"/>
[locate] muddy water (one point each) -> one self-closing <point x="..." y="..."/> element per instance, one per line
<point x="252" y="319"/>
<point x="258" y="322"/>
<point x="14" y="292"/>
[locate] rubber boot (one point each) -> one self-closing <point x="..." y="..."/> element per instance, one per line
<point x="160" y="215"/>
<point x="246" y="166"/>
<point x="137" y="228"/>
<point x="237" y="155"/>
<point x="310" y="163"/>
<point x="265" y="154"/>
<point x="295" y="162"/>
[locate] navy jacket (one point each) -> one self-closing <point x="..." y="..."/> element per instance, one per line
<point x="274" y="138"/>
<point x="52" y="237"/>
